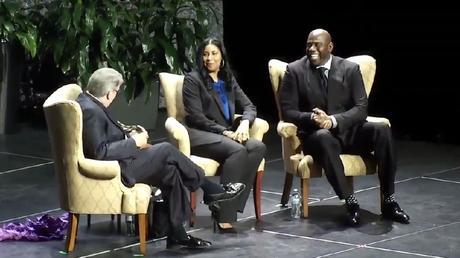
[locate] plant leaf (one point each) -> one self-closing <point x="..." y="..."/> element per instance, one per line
<point x="76" y="16"/>
<point x="29" y="41"/>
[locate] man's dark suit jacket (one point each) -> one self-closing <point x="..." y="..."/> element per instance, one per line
<point x="103" y="138"/>
<point x="204" y="111"/>
<point x="346" y="96"/>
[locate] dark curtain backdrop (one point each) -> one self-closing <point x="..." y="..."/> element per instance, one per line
<point x="416" y="48"/>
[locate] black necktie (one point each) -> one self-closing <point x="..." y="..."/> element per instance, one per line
<point x="323" y="77"/>
<point x="322" y="80"/>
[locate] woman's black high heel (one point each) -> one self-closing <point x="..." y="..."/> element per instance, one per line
<point x="215" y="223"/>
<point x="231" y="230"/>
<point x="215" y="217"/>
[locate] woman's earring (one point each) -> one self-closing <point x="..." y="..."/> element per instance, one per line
<point x="222" y="64"/>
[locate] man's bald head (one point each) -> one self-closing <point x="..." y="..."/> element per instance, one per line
<point x="319" y="47"/>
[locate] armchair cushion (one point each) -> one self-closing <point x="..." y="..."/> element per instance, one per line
<point x="209" y="166"/>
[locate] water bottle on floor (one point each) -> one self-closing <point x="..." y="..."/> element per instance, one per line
<point x="130" y="227"/>
<point x="296" y="204"/>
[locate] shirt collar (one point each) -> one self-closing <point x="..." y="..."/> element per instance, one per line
<point x="327" y="65"/>
<point x="92" y="96"/>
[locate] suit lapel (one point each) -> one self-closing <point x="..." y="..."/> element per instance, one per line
<point x="334" y="81"/>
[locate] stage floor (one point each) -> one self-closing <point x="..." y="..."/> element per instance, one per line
<point x="427" y="188"/>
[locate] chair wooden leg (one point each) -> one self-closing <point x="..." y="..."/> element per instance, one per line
<point x="72" y="232"/>
<point x="119" y="223"/>
<point x="305" y="188"/>
<point x="142" y="224"/>
<point x="286" y="189"/>
<point x="256" y="189"/>
<point x="193" y="206"/>
<point x="88" y="221"/>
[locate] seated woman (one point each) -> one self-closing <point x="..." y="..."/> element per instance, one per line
<point x="211" y="94"/>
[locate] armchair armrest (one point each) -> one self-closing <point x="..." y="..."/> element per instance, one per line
<point x="258" y="129"/>
<point x="286" y="130"/>
<point x="99" y="169"/>
<point x="374" y="119"/>
<point x="290" y="143"/>
<point x="179" y="134"/>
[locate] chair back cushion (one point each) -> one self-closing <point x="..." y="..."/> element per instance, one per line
<point x="64" y="120"/>
<point x="172" y="90"/>
<point x="367" y="65"/>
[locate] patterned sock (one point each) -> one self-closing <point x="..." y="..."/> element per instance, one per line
<point x="389" y="198"/>
<point x="351" y="200"/>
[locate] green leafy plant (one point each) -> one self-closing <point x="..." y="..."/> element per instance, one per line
<point x="16" y="25"/>
<point x="138" y="38"/>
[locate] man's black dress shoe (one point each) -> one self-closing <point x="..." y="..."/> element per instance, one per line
<point x="392" y="211"/>
<point x="354" y="218"/>
<point x="190" y="242"/>
<point x="231" y="191"/>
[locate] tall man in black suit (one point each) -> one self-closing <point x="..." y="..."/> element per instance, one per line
<point x="160" y="165"/>
<point x="324" y="96"/>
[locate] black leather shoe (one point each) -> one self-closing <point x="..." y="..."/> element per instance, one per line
<point x="392" y="211"/>
<point x="231" y="191"/>
<point x="191" y="242"/>
<point x="353" y="216"/>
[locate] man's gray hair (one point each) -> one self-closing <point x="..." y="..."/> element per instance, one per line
<point x="103" y="80"/>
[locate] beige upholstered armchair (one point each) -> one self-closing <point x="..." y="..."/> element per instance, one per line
<point x="87" y="186"/>
<point x="172" y="89"/>
<point x="303" y="166"/>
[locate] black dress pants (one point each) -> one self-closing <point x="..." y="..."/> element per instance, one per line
<point x="325" y="148"/>
<point x="239" y="163"/>
<point x="164" y="166"/>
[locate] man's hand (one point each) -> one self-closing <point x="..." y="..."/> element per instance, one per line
<point x="242" y="132"/>
<point x="327" y="124"/>
<point x="321" y="119"/>
<point x="140" y="136"/>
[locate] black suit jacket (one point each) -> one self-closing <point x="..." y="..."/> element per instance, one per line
<point x="103" y="138"/>
<point x="204" y="109"/>
<point x="346" y="97"/>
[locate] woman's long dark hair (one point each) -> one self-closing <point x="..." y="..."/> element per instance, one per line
<point x="225" y="72"/>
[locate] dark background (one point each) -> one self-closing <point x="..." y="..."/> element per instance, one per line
<point x="416" y="48"/>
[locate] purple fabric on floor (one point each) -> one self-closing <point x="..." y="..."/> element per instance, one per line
<point x="42" y="228"/>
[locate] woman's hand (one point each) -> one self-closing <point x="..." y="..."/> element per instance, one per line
<point x="229" y="134"/>
<point x="242" y="132"/>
